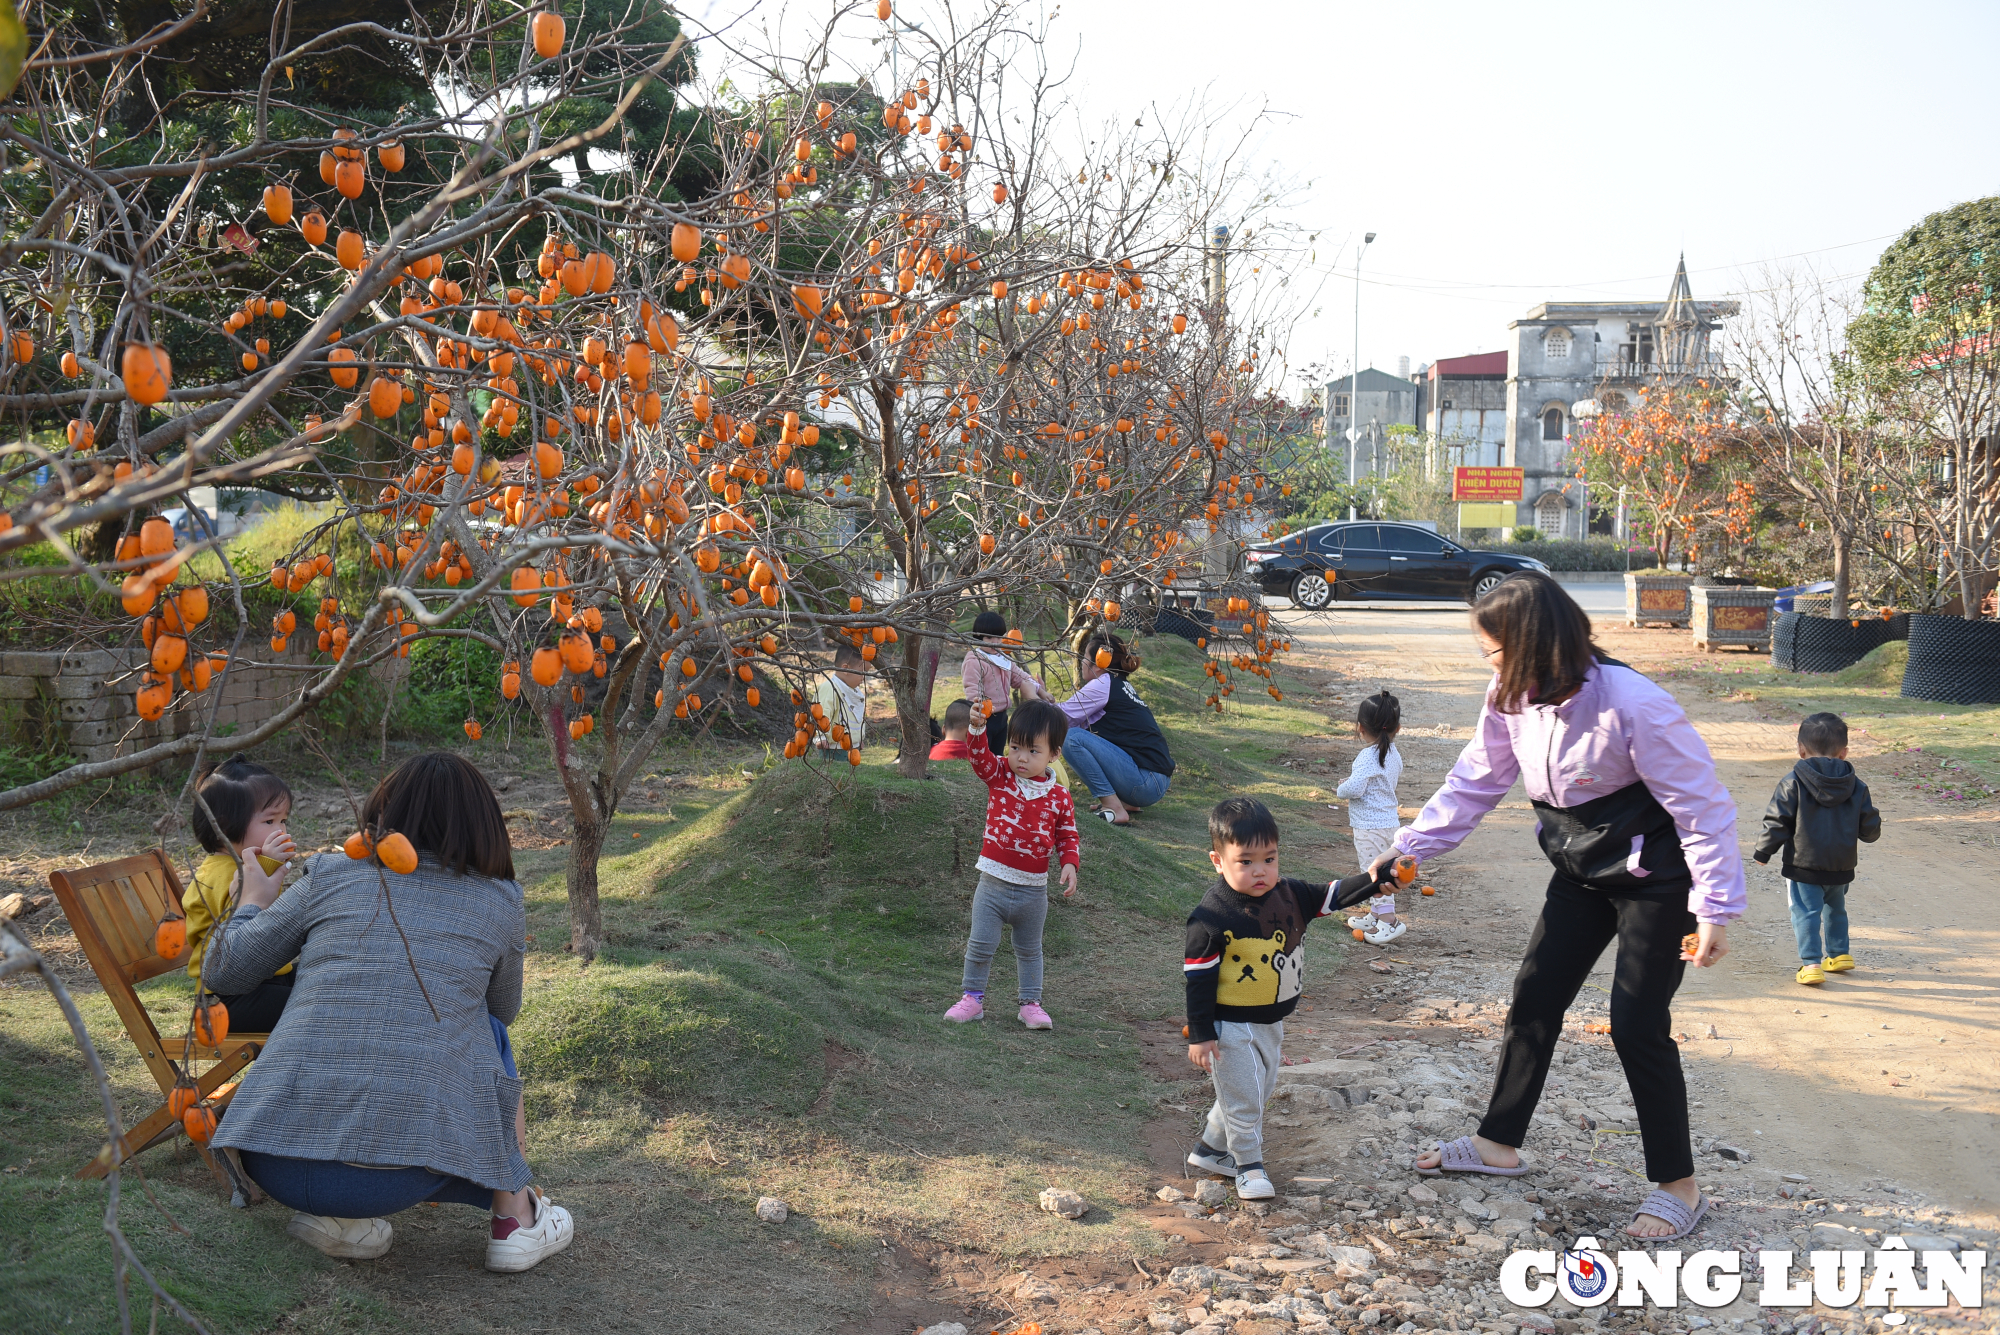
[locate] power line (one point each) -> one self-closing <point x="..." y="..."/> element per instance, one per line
<point x="1429" y="283"/>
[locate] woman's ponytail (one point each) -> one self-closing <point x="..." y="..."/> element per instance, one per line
<point x="1123" y="660"/>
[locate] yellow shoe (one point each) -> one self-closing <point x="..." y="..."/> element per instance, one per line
<point x="1811" y="976"/>
<point x="1837" y="963"/>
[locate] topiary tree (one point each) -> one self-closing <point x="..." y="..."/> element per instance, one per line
<point x="1930" y="335"/>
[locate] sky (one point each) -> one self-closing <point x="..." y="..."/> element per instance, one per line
<point x="1511" y="153"/>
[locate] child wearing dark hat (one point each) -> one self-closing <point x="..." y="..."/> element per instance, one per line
<point x="991" y="674"/>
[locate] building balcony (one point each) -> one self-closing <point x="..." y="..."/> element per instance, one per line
<point x="1614" y="370"/>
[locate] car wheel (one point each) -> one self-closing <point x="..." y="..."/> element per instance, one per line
<point x="1485" y="584"/>
<point x="1311" y="591"/>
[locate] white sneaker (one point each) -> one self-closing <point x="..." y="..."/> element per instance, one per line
<point x="348" y="1239"/>
<point x="528" y="1245"/>
<point x="1254" y="1184"/>
<point x="1385" y="932"/>
<point x="1218" y="1163"/>
<point x="1364" y="922"/>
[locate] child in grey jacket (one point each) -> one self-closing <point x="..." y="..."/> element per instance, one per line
<point x="1820" y="815"/>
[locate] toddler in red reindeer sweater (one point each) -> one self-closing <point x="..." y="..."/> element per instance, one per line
<point x="1028" y="813"/>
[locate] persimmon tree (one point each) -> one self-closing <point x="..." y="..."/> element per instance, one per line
<point x="1671" y="451"/>
<point x="908" y="373"/>
<point x="658" y="452"/>
<point x="319" y="324"/>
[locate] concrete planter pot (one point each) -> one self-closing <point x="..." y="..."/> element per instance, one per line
<point x="1659" y="599"/>
<point x="1720" y="616"/>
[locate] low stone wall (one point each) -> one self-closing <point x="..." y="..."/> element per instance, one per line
<point x="86" y="698"/>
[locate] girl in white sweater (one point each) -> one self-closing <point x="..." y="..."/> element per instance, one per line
<point x="1370" y="791"/>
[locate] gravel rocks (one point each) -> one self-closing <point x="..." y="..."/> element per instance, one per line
<point x="772" y="1210"/>
<point x="1832" y="1237"/>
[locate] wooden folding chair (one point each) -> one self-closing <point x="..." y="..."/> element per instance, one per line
<point x="114" y="909"/>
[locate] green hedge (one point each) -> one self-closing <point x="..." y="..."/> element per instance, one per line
<point x="1580" y="555"/>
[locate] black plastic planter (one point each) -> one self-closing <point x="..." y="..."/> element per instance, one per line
<point x="1953" y="661"/>
<point x="1184" y="623"/>
<point x="1801" y="643"/>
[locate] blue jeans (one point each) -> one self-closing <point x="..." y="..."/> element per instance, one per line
<point x="344" y="1191"/>
<point x="1106" y="768"/>
<point x="327" y="1187"/>
<point x="1817" y="909"/>
<point x="996" y="904"/>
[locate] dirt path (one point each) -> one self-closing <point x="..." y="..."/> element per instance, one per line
<point x="1840" y="1132"/>
<point x="1884" y="1078"/>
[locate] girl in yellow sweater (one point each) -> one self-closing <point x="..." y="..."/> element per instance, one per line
<point x="250" y="806"/>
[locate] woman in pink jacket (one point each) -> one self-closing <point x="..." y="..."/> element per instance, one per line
<point x="991" y="674"/>
<point x="1642" y="836"/>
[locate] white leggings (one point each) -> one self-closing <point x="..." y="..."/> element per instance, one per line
<point x="1372" y="844"/>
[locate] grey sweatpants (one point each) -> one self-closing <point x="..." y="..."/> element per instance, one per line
<point x="997" y="903"/>
<point x="1245" y="1071"/>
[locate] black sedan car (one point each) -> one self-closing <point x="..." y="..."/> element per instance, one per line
<point x="1367" y="560"/>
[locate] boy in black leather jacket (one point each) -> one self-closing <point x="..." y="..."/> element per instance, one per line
<point x="1820" y="815"/>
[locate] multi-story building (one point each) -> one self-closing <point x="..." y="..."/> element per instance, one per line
<point x="1570" y="352"/>
<point x="1463" y="402"/>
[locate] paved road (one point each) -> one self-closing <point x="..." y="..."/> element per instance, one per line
<point x="1598" y="599"/>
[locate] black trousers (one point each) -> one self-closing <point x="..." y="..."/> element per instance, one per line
<point x="996" y="733"/>
<point x="257" y="1011"/>
<point x="1576" y="924"/>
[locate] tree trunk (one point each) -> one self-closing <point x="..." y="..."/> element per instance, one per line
<point x="586" y="917"/>
<point x="586" y="841"/>
<point x="1961" y="547"/>
<point x="913" y="681"/>
<point x="1843" y="562"/>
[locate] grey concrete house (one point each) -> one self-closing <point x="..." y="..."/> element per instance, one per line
<point x="1385" y="401"/>
<point x="1594" y="353"/>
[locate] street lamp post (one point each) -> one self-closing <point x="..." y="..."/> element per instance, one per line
<point x="1354" y="386"/>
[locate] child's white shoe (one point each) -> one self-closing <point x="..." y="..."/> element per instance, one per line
<point x="1364" y="922"/>
<point x="1385" y="932"/>
<point x="1205" y="1160"/>
<point x="1254" y="1184"/>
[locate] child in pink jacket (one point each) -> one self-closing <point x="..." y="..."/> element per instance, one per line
<point x="990" y="674"/>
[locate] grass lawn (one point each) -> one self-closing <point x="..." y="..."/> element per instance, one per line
<point x="764" y="1021"/>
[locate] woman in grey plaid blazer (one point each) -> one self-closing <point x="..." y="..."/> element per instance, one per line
<point x="378" y="1091"/>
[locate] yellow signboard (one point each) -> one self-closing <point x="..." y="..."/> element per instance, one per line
<point x="1496" y="514"/>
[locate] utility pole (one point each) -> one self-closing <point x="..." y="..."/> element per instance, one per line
<point x="1354" y="387"/>
<point x="897" y="26"/>
<point x="1217" y="276"/>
